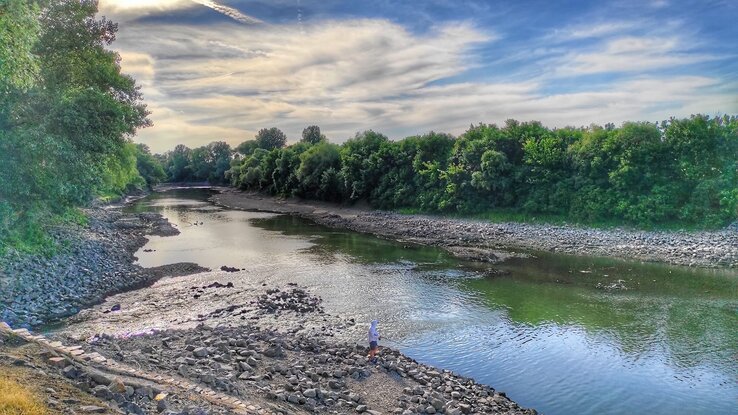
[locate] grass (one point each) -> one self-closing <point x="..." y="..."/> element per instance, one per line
<point x="31" y="236"/>
<point x="15" y="399"/>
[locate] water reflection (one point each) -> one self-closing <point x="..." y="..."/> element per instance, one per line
<point x="549" y="330"/>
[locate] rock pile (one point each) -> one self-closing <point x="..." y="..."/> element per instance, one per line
<point x="316" y="375"/>
<point x="93" y="262"/>
<point x="295" y="299"/>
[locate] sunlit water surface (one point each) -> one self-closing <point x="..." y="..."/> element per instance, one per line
<point x="543" y="332"/>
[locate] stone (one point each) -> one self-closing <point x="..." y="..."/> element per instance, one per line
<point x="361" y="408"/>
<point x="310" y="393"/>
<point x="274" y="351"/>
<point x="430" y="410"/>
<point x="59" y="362"/>
<point x="437" y="403"/>
<point x="134" y="409"/>
<point x="102" y="392"/>
<point x="201" y="352"/>
<point x="100" y="377"/>
<point x="92" y="409"/>
<point x="293" y="398"/>
<point x="117" y="386"/>
<point x="71" y="372"/>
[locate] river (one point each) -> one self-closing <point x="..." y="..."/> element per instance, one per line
<point x="561" y="334"/>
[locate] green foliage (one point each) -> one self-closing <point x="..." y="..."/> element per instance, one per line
<point x="247" y="147"/>
<point x="119" y="172"/>
<point x="681" y="172"/>
<point x="270" y="138"/>
<point x="211" y="163"/>
<point x="149" y="167"/>
<point x="19" y="29"/>
<point x="313" y="164"/>
<point x="67" y="115"/>
<point x="364" y="159"/>
<point x="312" y="135"/>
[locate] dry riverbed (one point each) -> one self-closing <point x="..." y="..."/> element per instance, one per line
<point x="493" y="242"/>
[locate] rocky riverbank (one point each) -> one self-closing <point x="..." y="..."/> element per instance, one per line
<point x="312" y="373"/>
<point x="276" y="346"/>
<point x="493" y="242"/>
<point x="93" y="262"/>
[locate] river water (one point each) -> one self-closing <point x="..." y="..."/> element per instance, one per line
<point x="548" y="331"/>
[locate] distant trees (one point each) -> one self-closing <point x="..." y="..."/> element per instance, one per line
<point x="312" y="135"/>
<point x="270" y="138"/>
<point x="315" y="163"/>
<point x="247" y="147"/>
<point x="207" y="163"/>
<point x="178" y="164"/>
<point x="679" y="171"/>
<point x="149" y="167"/>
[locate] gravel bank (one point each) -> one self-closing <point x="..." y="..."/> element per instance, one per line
<point x="480" y="240"/>
<point x="281" y="347"/>
<point x="92" y="263"/>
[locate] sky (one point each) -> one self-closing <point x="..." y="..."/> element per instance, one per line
<point x="220" y="70"/>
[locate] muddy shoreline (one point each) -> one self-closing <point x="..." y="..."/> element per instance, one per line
<point x="494" y="242"/>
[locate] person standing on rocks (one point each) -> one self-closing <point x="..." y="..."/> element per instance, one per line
<point x="373" y="337"/>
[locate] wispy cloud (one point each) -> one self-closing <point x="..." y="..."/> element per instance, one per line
<point x="630" y="54"/>
<point x="223" y="81"/>
<point x="592" y="30"/>
<point x="228" y="11"/>
<point x="122" y="8"/>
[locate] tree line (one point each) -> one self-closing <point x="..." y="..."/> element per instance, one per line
<point x="679" y="171"/>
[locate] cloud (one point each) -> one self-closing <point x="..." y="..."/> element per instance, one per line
<point x="142" y="6"/>
<point x="587" y="31"/>
<point x="225" y="81"/>
<point x="133" y="8"/>
<point x="630" y="54"/>
<point x="332" y="71"/>
<point x="229" y="11"/>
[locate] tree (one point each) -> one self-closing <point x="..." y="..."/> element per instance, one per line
<point x="247" y="147"/>
<point x="148" y="166"/>
<point x="178" y="164"/>
<point x="67" y="113"/>
<point x="313" y="163"/>
<point x="363" y="162"/>
<point x="220" y="155"/>
<point x="270" y="138"/>
<point x="19" y="30"/>
<point x="312" y="135"/>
